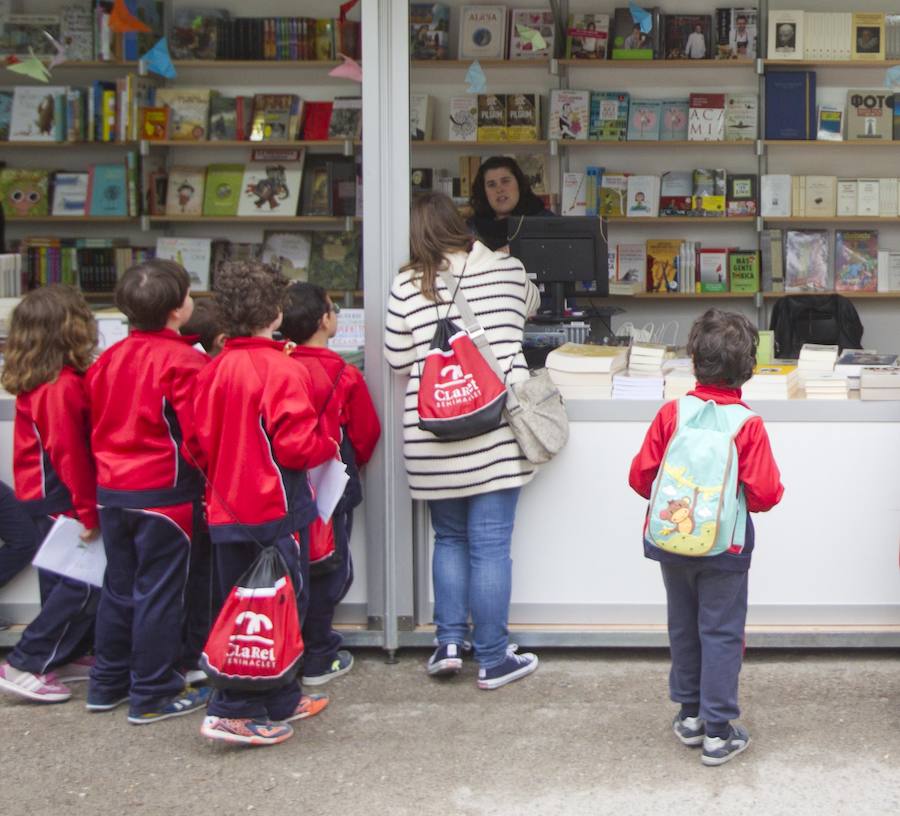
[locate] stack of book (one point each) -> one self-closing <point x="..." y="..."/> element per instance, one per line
<point x="827" y="385"/>
<point x="777" y="381"/>
<point x="851" y="363"/>
<point x="584" y="371"/>
<point x="816" y="359"/>
<point x="10" y="275"/>
<point x="879" y="384"/>
<point x="644" y="378"/>
<point x="679" y="378"/>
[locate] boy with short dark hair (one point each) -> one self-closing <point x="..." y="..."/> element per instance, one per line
<point x="206" y="325"/>
<point x="261" y="433"/>
<point x="141" y="399"/>
<point x="707" y="596"/>
<point x="344" y="404"/>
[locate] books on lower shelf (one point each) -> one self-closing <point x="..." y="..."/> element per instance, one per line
<point x="851" y="363"/>
<point x="776" y="381"/>
<point x="631" y="385"/>
<point x="879" y="384"/>
<point x="828" y="385"/>
<point x="784" y="196"/>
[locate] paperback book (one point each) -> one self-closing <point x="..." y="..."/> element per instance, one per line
<point x="806" y="261"/>
<point x="706" y="117"/>
<point x="184" y="195"/>
<point x="569" y="114"/>
<point x="587" y="36"/>
<point x="687" y="36"/>
<point x="429" y="27"/>
<point x="482" y="32"/>
<point x="644" y="120"/>
<point x="856" y="260"/>
<point x="673" y="122"/>
<point x="24" y="193"/>
<point x="609" y="116"/>
<point x="540" y="20"/>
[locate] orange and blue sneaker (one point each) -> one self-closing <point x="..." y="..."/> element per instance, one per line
<point x="245" y="731"/>
<point x="189" y="701"/>
<point x="309" y="706"/>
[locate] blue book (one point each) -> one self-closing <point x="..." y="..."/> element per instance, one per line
<point x="790" y="104"/>
<point x="6" y="99"/>
<point x="108" y="190"/>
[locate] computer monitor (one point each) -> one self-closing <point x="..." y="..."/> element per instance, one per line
<point x="561" y="252"/>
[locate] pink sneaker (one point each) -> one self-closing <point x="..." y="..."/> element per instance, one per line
<point x="42" y="688"/>
<point x="77" y="671"/>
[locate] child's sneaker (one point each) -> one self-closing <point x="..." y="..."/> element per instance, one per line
<point x="245" y="732"/>
<point x="77" y="671"/>
<point x="309" y="706"/>
<point x="446" y="660"/>
<point x="340" y="665"/>
<point x="98" y="702"/>
<point x="40" y="688"/>
<point x="689" y="730"/>
<point x="195" y="677"/>
<point x="718" y="751"/>
<point x="513" y="667"/>
<point x="190" y="700"/>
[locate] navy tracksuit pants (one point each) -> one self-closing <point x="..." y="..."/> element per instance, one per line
<point x="140" y="618"/>
<point x="232" y="560"/>
<point x="326" y="591"/>
<point x="20" y="537"/>
<point x="707" y="613"/>
<point x="61" y="631"/>
<point x="202" y="600"/>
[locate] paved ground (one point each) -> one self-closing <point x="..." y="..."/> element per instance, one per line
<point x="587" y="734"/>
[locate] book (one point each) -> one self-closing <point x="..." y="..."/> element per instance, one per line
<point x="676" y="193"/>
<point x="629" y="42"/>
<point x="185" y="191"/>
<point x="888" y="271"/>
<point x="806" y="261"/>
<point x="609" y="116"/>
<point x="334" y="260"/>
<point x="537" y="19"/>
<point x="706" y="118"/>
<point x="271" y="188"/>
<point x="710" y="191"/>
<point x="662" y="265"/>
<point x="856" y="260"/>
<point x="271" y="118"/>
<point x="771" y="260"/>
<point x="24" y="192"/>
<point x="713" y="269"/>
<point x="643" y="196"/>
<point x="820" y="196"/>
<point x="587" y="36"/>
<point x="790" y="104"/>
<point x="775" y="196"/>
<point x="673" y="120"/>
<point x="687" y="36"/>
<point x="107" y="193"/>
<point x="586" y="359"/>
<point x="743" y="271"/>
<point x="574" y="194"/>
<point x="847" y="194"/>
<point x="329" y="185"/>
<point x="888" y="197"/>
<point x="421" y="179"/>
<point x="34" y="115"/>
<point x="188" y="112"/>
<point x="523" y="117"/>
<point x="535" y="169"/>
<point x="741" y="117"/>
<point x="155" y="124"/>
<point x="421" y="117"/>
<point x="463" y="118"/>
<point x="223" y="118"/>
<point x="631" y="265"/>
<point x="23" y="33"/>
<point x="6" y="100"/>
<point x="195" y="32"/>
<point x="741" y="194"/>
<point x="194" y="254"/>
<point x="737" y="32"/>
<point x="429" y="26"/>
<point x="569" y="114"/>
<point x="613" y="194"/>
<point x="644" y="120"/>
<point x="869" y="115"/>
<point x="69" y="194"/>
<point x="222" y="189"/>
<point x="482" y="32"/>
<point x="868" y="197"/>
<point x="786" y="31"/>
<point x="76" y="32"/>
<point x="867" y="36"/>
<point x="317" y="117"/>
<point x="830" y="123"/>
<point x="892" y="36"/>
<point x="491" y="117"/>
<point x="346" y="118"/>
<point x="289" y="252"/>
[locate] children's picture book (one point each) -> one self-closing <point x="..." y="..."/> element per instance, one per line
<point x="271" y="120"/>
<point x="223" y="118"/>
<point x="346" y="118"/>
<point x="743" y="271"/>
<point x="70" y="194"/>
<point x="194" y="33"/>
<point x="35" y="113"/>
<point x="334" y="260"/>
<point x="317" y="116"/>
<point x="687" y="36"/>
<point x="523" y="117"/>
<point x="676" y="193"/>
<point x="868" y="36"/>
<point x="222" y="190"/>
<point x="463" y="118"/>
<point x="194" y="254"/>
<point x="673" y="122"/>
<point x="609" y="116"/>
<point x="491" y="117"/>
<point x="644" y="120"/>
<point x="613" y="194"/>
<point x="536" y="19"/>
<point x="706" y="117"/>
<point x="741" y="194"/>
<point x="741" y="117"/>
<point x="629" y="42"/>
<point x="737" y="33"/>
<point x="534" y="168"/>
<point x="643" y="197"/>
<point x="662" y="265"/>
<point x="574" y="194"/>
<point x="429" y="27"/>
<point x="289" y="252"/>
<point x="24" y="193"/>
<point x="830" y="123"/>
<point x="272" y="188"/>
<point x="856" y="260"/>
<point x="786" y="28"/>
<point x="184" y="195"/>
<point x="569" y="114"/>
<point x="188" y="112"/>
<point x="869" y="115"/>
<point x="587" y="36"/>
<point x="154" y="124"/>
<point x="421" y="117"/>
<point x="482" y="32"/>
<point x="806" y="261"/>
<point x="108" y="190"/>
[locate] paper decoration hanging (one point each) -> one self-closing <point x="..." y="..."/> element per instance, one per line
<point x="640" y="16"/>
<point x="60" y="56"/>
<point x="31" y="66"/>
<point x="122" y="21"/>
<point x="346" y="8"/>
<point x="348" y="69"/>
<point x="533" y="36"/>
<point x="158" y="60"/>
<point x="476" y="81"/>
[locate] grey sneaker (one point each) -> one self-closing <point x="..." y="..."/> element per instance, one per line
<point x="341" y="664"/>
<point x="690" y="730"/>
<point x="718" y="751"/>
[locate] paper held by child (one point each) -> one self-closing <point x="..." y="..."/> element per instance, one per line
<point x="328" y="482"/>
<point x="64" y="553"/>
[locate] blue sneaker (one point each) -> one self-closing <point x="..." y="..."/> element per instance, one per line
<point x="446" y="660"/>
<point x="689" y="730"/>
<point x="190" y="700"/>
<point x="104" y="702"/>
<point x="718" y="751"/>
<point x="514" y="667"/>
<point x="341" y="664"/>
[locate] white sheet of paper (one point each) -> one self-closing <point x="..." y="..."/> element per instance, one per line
<point x="64" y="553"/>
<point x="110" y="330"/>
<point x="328" y="482"/>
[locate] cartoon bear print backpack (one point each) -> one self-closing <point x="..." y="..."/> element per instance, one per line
<point x="697" y="507"/>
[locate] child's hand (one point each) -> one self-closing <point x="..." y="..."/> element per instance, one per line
<point x="90" y="535"/>
<point x="289" y="346"/>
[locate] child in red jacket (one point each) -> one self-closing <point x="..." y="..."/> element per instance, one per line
<point x="260" y="433"/>
<point x="707" y="596"/>
<point x="345" y="408"/>
<point x="51" y="343"/>
<point x="141" y="394"/>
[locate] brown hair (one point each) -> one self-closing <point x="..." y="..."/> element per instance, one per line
<point x="206" y="323"/>
<point x="51" y="327"/>
<point x="722" y="346"/>
<point x="435" y="229"/>
<point x="149" y="291"/>
<point x="250" y="295"/>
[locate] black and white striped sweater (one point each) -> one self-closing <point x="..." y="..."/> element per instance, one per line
<point x="501" y="297"/>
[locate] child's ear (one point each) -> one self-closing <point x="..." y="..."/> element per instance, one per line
<point x="219" y="341"/>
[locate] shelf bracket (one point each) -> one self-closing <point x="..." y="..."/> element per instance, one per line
<point x="144" y="147"/>
<point x="348" y="223"/>
<point x="145" y="223"/>
<point x="758" y="300"/>
<point x="759" y="223"/>
<point x="348" y="147"/>
<point x="760" y="147"/>
<point x="760" y="66"/>
<point x="554" y="147"/>
<point x="554" y="66"/>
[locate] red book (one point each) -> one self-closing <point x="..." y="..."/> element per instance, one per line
<point x="318" y="117"/>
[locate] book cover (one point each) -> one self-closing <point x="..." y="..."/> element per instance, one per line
<point x="775" y="198"/>
<point x="847" y="193"/>
<point x="706" y="117"/>
<point x="540" y="20"/>
<point x="70" y="194"/>
<point x="868" y="196"/>
<point x="155" y="124"/>
<point x="76" y="32"/>
<point x="271" y="118"/>
<point x="868" y="36"/>
<point x="271" y="188"/>
<point x="223" y="118"/>
<point x="631" y="264"/>
<point x="737" y="33"/>
<point x="482" y="32"/>
<point x="710" y="191"/>
<point x="790" y="104"/>
<point x="741" y="194"/>
<point x="673" y="121"/>
<point x="609" y="116"/>
<point x="334" y="260"/>
<point x="662" y="265"/>
<point x="194" y="33"/>
<point x="643" y="197"/>
<point x="613" y="194"/>
<point x="587" y="36"/>
<point x="523" y="117"/>
<point x="713" y="269"/>
<point x="24" y="192"/>
<point x="491" y="117"/>
<point x="6" y="100"/>
<point x="676" y="192"/>
<point x="194" y="254"/>
<point x="535" y="169"/>
<point x="870" y="115"/>
<point x="574" y="194"/>
<point x="289" y="252"/>
<point x="830" y="123"/>
<point x="806" y="261"/>
<point x="316" y="121"/>
<point x="741" y="117"/>
<point x="856" y="260"/>
<point x="23" y="33"/>
<point x="629" y="42"/>
<point x="222" y="190"/>
<point x="421" y="117"/>
<point x="429" y="27"/>
<point x="687" y="36"/>
<point x="644" y="120"/>
<point x="184" y="195"/>
<point x="771" y="244"/>
<point x="569" y="114"/>
<point x="346" y="118"/>
<point x="108" y="190"/>
<point x="463" y="118"/>
<point x="820" y="196"/>
<point x="421" y="179"/>
<point x="323" y="42"/>
<point x="743" y="271"/>
<point x="35" y="116"/>
<point x="786" y="31"/>
<point x="188" y="112"/>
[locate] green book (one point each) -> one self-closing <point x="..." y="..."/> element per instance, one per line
<point x="743" y="271"/>
<point x="223" y="189"/>
<point x="334" y="260"/>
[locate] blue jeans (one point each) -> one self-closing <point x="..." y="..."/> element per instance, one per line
<point x="472" y="570"/>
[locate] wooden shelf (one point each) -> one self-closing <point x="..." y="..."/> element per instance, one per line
<point x="93" y="65"/>
<point x="717" y="221"/>
<point x="542" y="63"/>
<point x="57" y="145"/>
<point x="252" y="219"/>
<point x="844" y="219"/>
<point x="72" y="219"/>
<point x="846" y="143"/>
<point x="108" y="296"/>
<point x="218" y="144"/>
<point x="652" y="144"/>
<point x="531" y="143"/>
<point x="216" y="65"/>
<point x="688" y="295"/>
<point x="851" y="295"/>
<point x="704" y="64"/>
<point x="876" y="64"/>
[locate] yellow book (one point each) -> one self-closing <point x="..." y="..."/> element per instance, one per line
<point x="774" y="370"/>
<point x="108" y="117"/>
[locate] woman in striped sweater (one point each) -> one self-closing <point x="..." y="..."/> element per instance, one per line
<point x="471" y="485"/>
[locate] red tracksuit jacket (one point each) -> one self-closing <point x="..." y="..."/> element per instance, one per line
<point x="52" y="467"/>
<point x="259" y="431"/>
<point x="757" y="471"/>
<point x="141" y="395"/>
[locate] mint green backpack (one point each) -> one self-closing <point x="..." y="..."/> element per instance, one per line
<point x="697" y="506"/>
